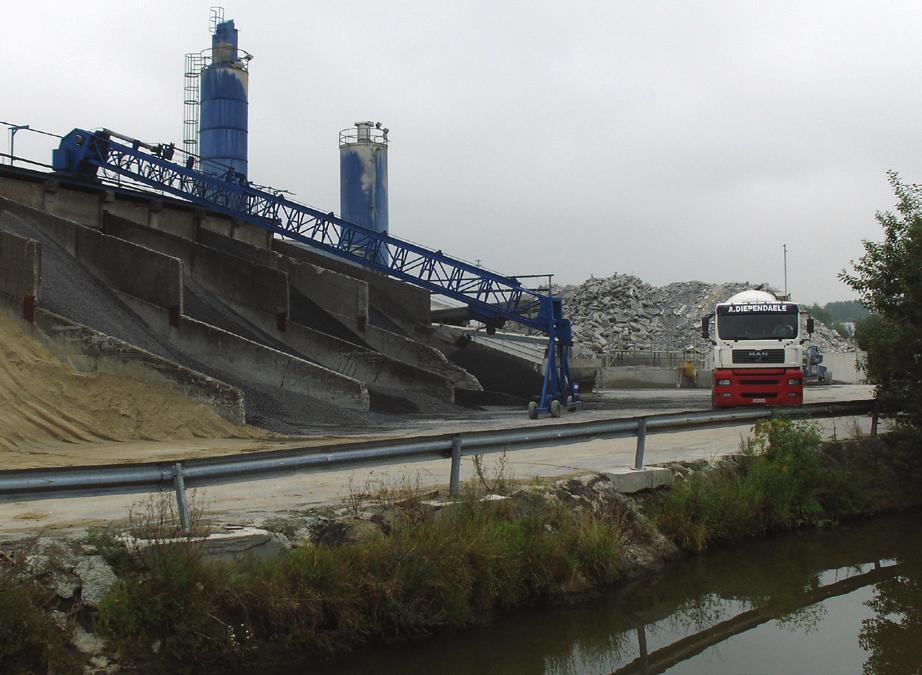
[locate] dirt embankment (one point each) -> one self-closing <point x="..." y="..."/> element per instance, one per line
<point x="43" y="400"/>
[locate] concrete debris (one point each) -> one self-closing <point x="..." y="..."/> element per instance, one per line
<point x="97" y="579"/>
<point x="624" y="313"/>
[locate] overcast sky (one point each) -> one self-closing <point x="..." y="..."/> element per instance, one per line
<point x="670" y="140"/>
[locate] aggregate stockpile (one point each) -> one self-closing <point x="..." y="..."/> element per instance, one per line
<point x="624" y="313"/>
<point x="42" y="400"/>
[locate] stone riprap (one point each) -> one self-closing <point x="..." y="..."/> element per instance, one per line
<point x="624" y="313"/>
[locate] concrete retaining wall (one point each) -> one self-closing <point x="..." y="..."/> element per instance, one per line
<point x="366" y="366"/>
<point x="420" y="355"/>
<point x="346" y="298"/>
<point x="132" y="269"/>
<point x="253" y="362"/>
<point x="400" y="301"/>
<point x="86" y="205"/>
<point x="236" y="279"/>
<point x="241" y="281"/>
<point x="638" y="377"/>
<point x="350" y="359"/>
<point x="263" y="256"/>
<point x="844" y="366"/>
<point x="495" y="370"/>
<point x="125" y="266"/>
<point x="21" y="271"/>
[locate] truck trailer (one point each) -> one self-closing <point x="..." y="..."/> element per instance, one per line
<point x="758" y="350"/>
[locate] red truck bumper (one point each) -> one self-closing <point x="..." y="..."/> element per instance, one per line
<point x="757" y="386"/>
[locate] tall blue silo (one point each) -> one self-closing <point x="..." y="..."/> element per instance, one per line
<point x="363" y="177"/>
<point x="224" y="86"/>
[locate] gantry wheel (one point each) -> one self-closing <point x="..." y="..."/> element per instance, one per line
<point x="532" y="410"/>
<point x="555" y="408"/>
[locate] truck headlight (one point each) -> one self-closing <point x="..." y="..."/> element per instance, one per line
<point x="793" y="382"/>
<point x="723" y="383"/>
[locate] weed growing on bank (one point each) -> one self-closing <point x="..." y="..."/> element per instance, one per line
<point x="425" y="574"/>
<point x="785" y="478"/>
<point x="30" y="641"/>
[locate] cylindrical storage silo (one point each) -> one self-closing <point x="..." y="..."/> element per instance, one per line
<point x="223" y="132"/>
<point x="363" y="178"/>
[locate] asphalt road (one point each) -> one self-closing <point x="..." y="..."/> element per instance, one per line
<point x="253" y="501"/>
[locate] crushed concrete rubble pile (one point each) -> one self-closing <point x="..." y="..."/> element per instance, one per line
<point x="624" y="313"/>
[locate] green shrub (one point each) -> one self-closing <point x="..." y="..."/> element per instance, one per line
<point x="774" y="487"/>
<point x="30" y="642"/>
<point x="424" y="576"/>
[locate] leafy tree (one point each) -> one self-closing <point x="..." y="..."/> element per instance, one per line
<point x="888" y="280"/>
<point x="823" y="315"/>
<point x="847" y="310"/>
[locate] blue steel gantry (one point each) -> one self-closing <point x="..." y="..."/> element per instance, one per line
<point x="492" y="298"/>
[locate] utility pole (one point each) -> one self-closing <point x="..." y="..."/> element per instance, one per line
<point x="785" y="247"/>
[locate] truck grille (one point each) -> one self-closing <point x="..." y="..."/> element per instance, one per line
<point x="758" y="356"/>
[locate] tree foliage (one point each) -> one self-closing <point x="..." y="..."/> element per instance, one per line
<point x="846" y="310"/>
<point x="888" y="280"/>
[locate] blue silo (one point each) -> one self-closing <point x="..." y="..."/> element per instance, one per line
<point x="223" y="130"/>
<point x="363" y="177"/>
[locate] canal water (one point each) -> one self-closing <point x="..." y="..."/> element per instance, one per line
<point x="838" y="600"/>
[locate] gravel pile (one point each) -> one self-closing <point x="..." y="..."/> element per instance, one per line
<point x="623" y="312"/>
<point x="70" y="290"/>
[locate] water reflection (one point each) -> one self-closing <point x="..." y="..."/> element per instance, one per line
<point x="833" y="601"/>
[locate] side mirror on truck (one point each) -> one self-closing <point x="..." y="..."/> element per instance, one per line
<point x="705" y="327"/>
<point x="810" y="325"/>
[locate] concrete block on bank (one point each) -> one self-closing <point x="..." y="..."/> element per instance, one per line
<point x="628" y="480"/>
<point x="231" y="544"/>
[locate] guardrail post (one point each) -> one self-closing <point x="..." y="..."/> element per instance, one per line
<point x="455" y="481"/>
<point x="641" y="441"/>
<point x="181" y="501"/>
<point x="875" y="418"/>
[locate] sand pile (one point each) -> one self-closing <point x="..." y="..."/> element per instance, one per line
<point x="43" y="400"/>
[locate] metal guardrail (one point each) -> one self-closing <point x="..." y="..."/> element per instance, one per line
<point x="44" y="483"/>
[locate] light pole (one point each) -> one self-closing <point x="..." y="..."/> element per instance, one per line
<point x="13" y="129"/>
<point x="785" y="247"/>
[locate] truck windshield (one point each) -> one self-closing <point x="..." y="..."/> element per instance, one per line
<point x="757" y="326"/>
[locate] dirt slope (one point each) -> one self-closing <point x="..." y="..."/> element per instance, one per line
<point x="43" y="400"/>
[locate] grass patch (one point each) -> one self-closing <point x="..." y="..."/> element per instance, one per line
<point x="424" y="576"/>
<point x="786" y="478"/>
<point x="30" y="642"/>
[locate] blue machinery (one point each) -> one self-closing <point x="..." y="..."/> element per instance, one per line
<point x="492" y="298"/>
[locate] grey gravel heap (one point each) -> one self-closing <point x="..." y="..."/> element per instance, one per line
<point x="624" y="313"/>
